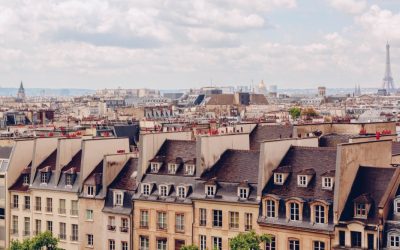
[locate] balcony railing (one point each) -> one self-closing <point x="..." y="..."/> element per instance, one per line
<point x="74" y="212"/>
<point x="49" y="209"/>
<point x="180" y="228"/>
<point x="124" y="229"/>
<point x="248" y="227"/>
<point x="144" y="224"/>
<point x="74" y="237"/>
<point x="62" y="211"/>
<point x="233" y="225"/>
<point x="62" y="236"/>
<point x="111" y="227"/>
<point x="203" y="222"/>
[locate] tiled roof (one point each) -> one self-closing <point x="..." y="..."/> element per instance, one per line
<point x="332" y="140"/>
<point x="395" y="148"/>
<point x="321" y="160"/>
<point x="370" y="183"/>
<point x="235" y="166"/>
<point x="268" y="132"/>
<point x="126" y="179"/>
<point x="173" y="149"/>
<point x="222" y="99"/>
<point x="258" y="99"/>
<point x="95" y="177"/>
<point x="74" y="164"/>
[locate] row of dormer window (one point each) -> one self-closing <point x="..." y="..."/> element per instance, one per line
<point x="303" y="180"/>
<point x="172" y="168"/>
<point x="164" y="190"/>
<point x="242" y="192"/>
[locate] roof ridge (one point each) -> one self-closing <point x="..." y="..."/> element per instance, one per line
<point x="315" y="148"/>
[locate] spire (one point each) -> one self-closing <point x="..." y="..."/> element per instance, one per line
<point x="388" y="83"/>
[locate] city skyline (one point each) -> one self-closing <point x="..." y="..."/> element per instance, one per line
<point x="173" y="45"/>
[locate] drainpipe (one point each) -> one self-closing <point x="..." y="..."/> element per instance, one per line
<point x="378" y="247"/>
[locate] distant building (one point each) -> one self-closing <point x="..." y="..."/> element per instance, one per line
<point x="21" y="93"/>
<point x="321" y="91"/>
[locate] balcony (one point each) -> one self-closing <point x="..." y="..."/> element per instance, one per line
<point x="49" y="209"/>
<point x="203" y="223"/>
<point x="26" y="233"/>
<point x="124" y="229"/>
<point x="62" y="236"/>
<point x="62" y="211"/>
<point x="73" y="212"/>
<point x="74" y="238"/>
<point x="111" y="227"/>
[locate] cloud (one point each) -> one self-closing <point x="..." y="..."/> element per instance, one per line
<point x="349" y="6"/>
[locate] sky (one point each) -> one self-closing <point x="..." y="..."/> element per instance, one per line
<point x="175" y="44"/>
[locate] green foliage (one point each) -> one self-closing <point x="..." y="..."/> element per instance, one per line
<point x="190" y="247"/>
<point x="45" y="239"/>
<point x="248" y="241"/>
<point x="295" y="112"/>
<point x="309" y="112"/>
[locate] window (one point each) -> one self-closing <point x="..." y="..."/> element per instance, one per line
<point x="90" y="190"/>
<point x="38" y="226"/>
<point x="233" y="220"/>
<point x="294" y="211"/>
<point x="38" y="203"/>
<point x="189" y="169"/>
<point x="203" y="216"/>
<point x="171" y="168"/>
<point x="49" y="226"/>
<point x="146" y="189"/>
<point x="370" y="241"/>
<point x="26" y="180"/>
<point x="243" y="193"/>
<point x="271" y="245"/>
<point x="217" y="218"/>
<point x="162" y="244"/>
<point x="217" y="243"/>
<point x="27" y="226"/>
<point x="319" y="245"/>
<point x="302" y="180"/>
<point x="63" y="231"/>
<point x="327" y="183"/>
<point x="89" y="214"/>
<point x="162" y="220"/>
<point x="15" y="224"/>
<point x="394" y="240"/>
<point x="69" y="180"/>
<point x="143" y="243"/>
<point x="203" y="242"/>
<point x="144" y="219"/>
<point x="15" y="201"/>
<point x="124" y="245"/>
<point x="89" y="238"/>
<point x="397" y="206"/>
<point x="74" y="208"/>
<point x="74" y="229"/>
<point x="43" y="177"/>
<point x="270" y="206"/>
<point x="111" y="244"/>
<point x="180" y="222"/>
<point x="118" y="199"/>
<point x="27" y="202"/>
<point x="278" y="178"/>
<point x="294" y="245"/>
<point x="154" y="167"/>
<point x="181" y="192"/>
<point x="111" y="223"/>
<point x="210" y="190"/>
<point x="61" y="206"/>
<point x="319" y="214"/>
<point x="342" y="238"/>
<point x="361" y="209"/>
<point x="163" y="190"/>
<point x="49" y="205"/>
<point x="355" y="239"/>
<point x="248" y="221"/>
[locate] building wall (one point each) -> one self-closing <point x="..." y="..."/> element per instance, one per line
<point x="97" y="226"/>
<point x="116" y="235"/>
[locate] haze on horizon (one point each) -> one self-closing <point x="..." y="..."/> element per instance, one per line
<point x="172" y="44"/>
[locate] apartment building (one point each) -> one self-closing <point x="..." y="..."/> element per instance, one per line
<point x="6" y="147"/>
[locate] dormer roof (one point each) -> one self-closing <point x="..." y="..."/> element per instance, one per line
<point x="283" y="170"/>
<point x="307" y="171"/>
<point x="364" y="199"/>
<point x="329" y="173"/>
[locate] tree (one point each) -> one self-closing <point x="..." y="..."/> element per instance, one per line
<point x="309" y="112"/>
<point x="295" y="112"/>
<point x="190" y="247"/>
<point x="249" y="240"/>
<point x="41" y="240"/>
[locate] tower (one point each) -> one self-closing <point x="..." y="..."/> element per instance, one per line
<point x="388" y="84"/>
<point x="21" y="92"/>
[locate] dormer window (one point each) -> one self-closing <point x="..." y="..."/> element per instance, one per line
<point x="90" y="190"/>
<point x="396" y="208"/>
<point x="189" y="169"/>
<point x="181" y="192"/>
<point x="361" y="210"/>
<point x="278" y="178"/>
<point x="210" y="190"/>
<point x="243" y="193"/>
<point x="69" y="180"/>
<point x="172" y="168"/>
<point x="146" y="189"/>
<point x="327" y="183"/>
<point x="302" y="180"/>
<point x="154" y="167"/>
<point x="26" y="179"/>
<point x="43" y="177"/>
<point x="118" y="198"/>
<point x="163" y="190"/>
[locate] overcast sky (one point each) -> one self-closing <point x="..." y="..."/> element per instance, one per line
<point x="171" y="44"/>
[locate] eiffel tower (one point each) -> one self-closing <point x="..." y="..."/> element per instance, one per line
<point x="388" y="84"/>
